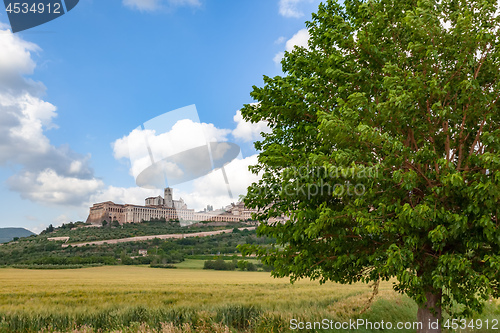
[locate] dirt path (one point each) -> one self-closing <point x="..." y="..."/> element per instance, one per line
<point x="61" y="239"/>
<point x="142" y="238"/>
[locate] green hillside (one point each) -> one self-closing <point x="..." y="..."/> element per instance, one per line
<point x="8" y="234"/>
<point x="58" y="247"/>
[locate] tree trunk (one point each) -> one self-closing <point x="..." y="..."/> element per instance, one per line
<point x="429" y="314"/>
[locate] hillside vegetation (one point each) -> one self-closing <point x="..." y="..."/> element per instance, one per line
<point x="80" y="232"/>
<point x="41" y="252"/>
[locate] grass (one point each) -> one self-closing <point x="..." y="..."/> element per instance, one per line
<point x="143" y="299"/>
<point x="198" y="264"/>
<point x="104" y="287"/>
<point x="190" y="264"/>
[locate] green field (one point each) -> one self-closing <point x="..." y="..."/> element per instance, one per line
<point x="122" y="298"/>
<point x="198" y="264"/>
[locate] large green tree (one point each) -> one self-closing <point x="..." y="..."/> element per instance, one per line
<point x="385" y="151"/>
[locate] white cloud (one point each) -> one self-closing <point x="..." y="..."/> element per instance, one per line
<point x="212" y="189"/>
<point x="248" y="131"/>
<point x="208" y="190"/>
<point x="280" y="40"/>
<point x="15" y="57"/>
<point x="61" y="219"/>
<point x="49" y="187"/>
<point x="49" y="174"/>
<point x="152" y="5"/>
<point x="220" y="150"/>
<point x="122" y="195"/>
<point x="38" y="228"/>
<point x="143" y="5"/>
<point x="290" y="8"/>
<point x="193" y="3"/>
<point x="299" y="39"/>
<point x="278" y="57"/>
<point x="184" y="135"/>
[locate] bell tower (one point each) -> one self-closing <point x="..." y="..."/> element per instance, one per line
<point x="168" y="201"/>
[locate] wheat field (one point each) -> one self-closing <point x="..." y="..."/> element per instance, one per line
<point x="143" y="299"/>
<point x="102" y="287"/>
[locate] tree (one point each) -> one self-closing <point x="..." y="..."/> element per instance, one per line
<point x="242" y="264"/>
<point x="385" y="152"/>
<point x="125" y="259"/>
<point x="251" y="267"/>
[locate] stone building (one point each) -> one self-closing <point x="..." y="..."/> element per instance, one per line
<point x="239" y="209"/>
<point x="163" y="207"/>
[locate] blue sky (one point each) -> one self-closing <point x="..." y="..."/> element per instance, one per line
<point x="72" y="90"/>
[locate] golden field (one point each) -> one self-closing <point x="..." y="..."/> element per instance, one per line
<point x="101" y="287"/>
<point x="122" y="298"/>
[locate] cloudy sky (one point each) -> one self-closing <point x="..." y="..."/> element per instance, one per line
<point x="76" y="93"/>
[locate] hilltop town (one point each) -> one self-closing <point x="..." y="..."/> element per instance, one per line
<point x="165" y="208"/>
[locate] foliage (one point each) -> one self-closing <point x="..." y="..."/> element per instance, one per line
<point x="54" y="266"/>
<point x="79" y="233"/>
<point x="74" y="260"/>
<point x="48" y="230"/>
<point x="251" y="267"/>
<point x="38" y="250"/>
<point x="125" y="259"/>
<point x="385" y="150"/>
<point x="162" y="266"/>
<point x="220" y="265"/>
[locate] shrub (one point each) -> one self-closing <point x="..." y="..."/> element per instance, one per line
<point x="251" y="267"/>
<point x="219" y="265"/>
<point x="162" y="266"/>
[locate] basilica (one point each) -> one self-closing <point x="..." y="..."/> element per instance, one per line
<point x="164" y="208"/>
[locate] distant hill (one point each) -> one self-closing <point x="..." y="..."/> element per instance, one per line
<point x="8" y="234"/>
